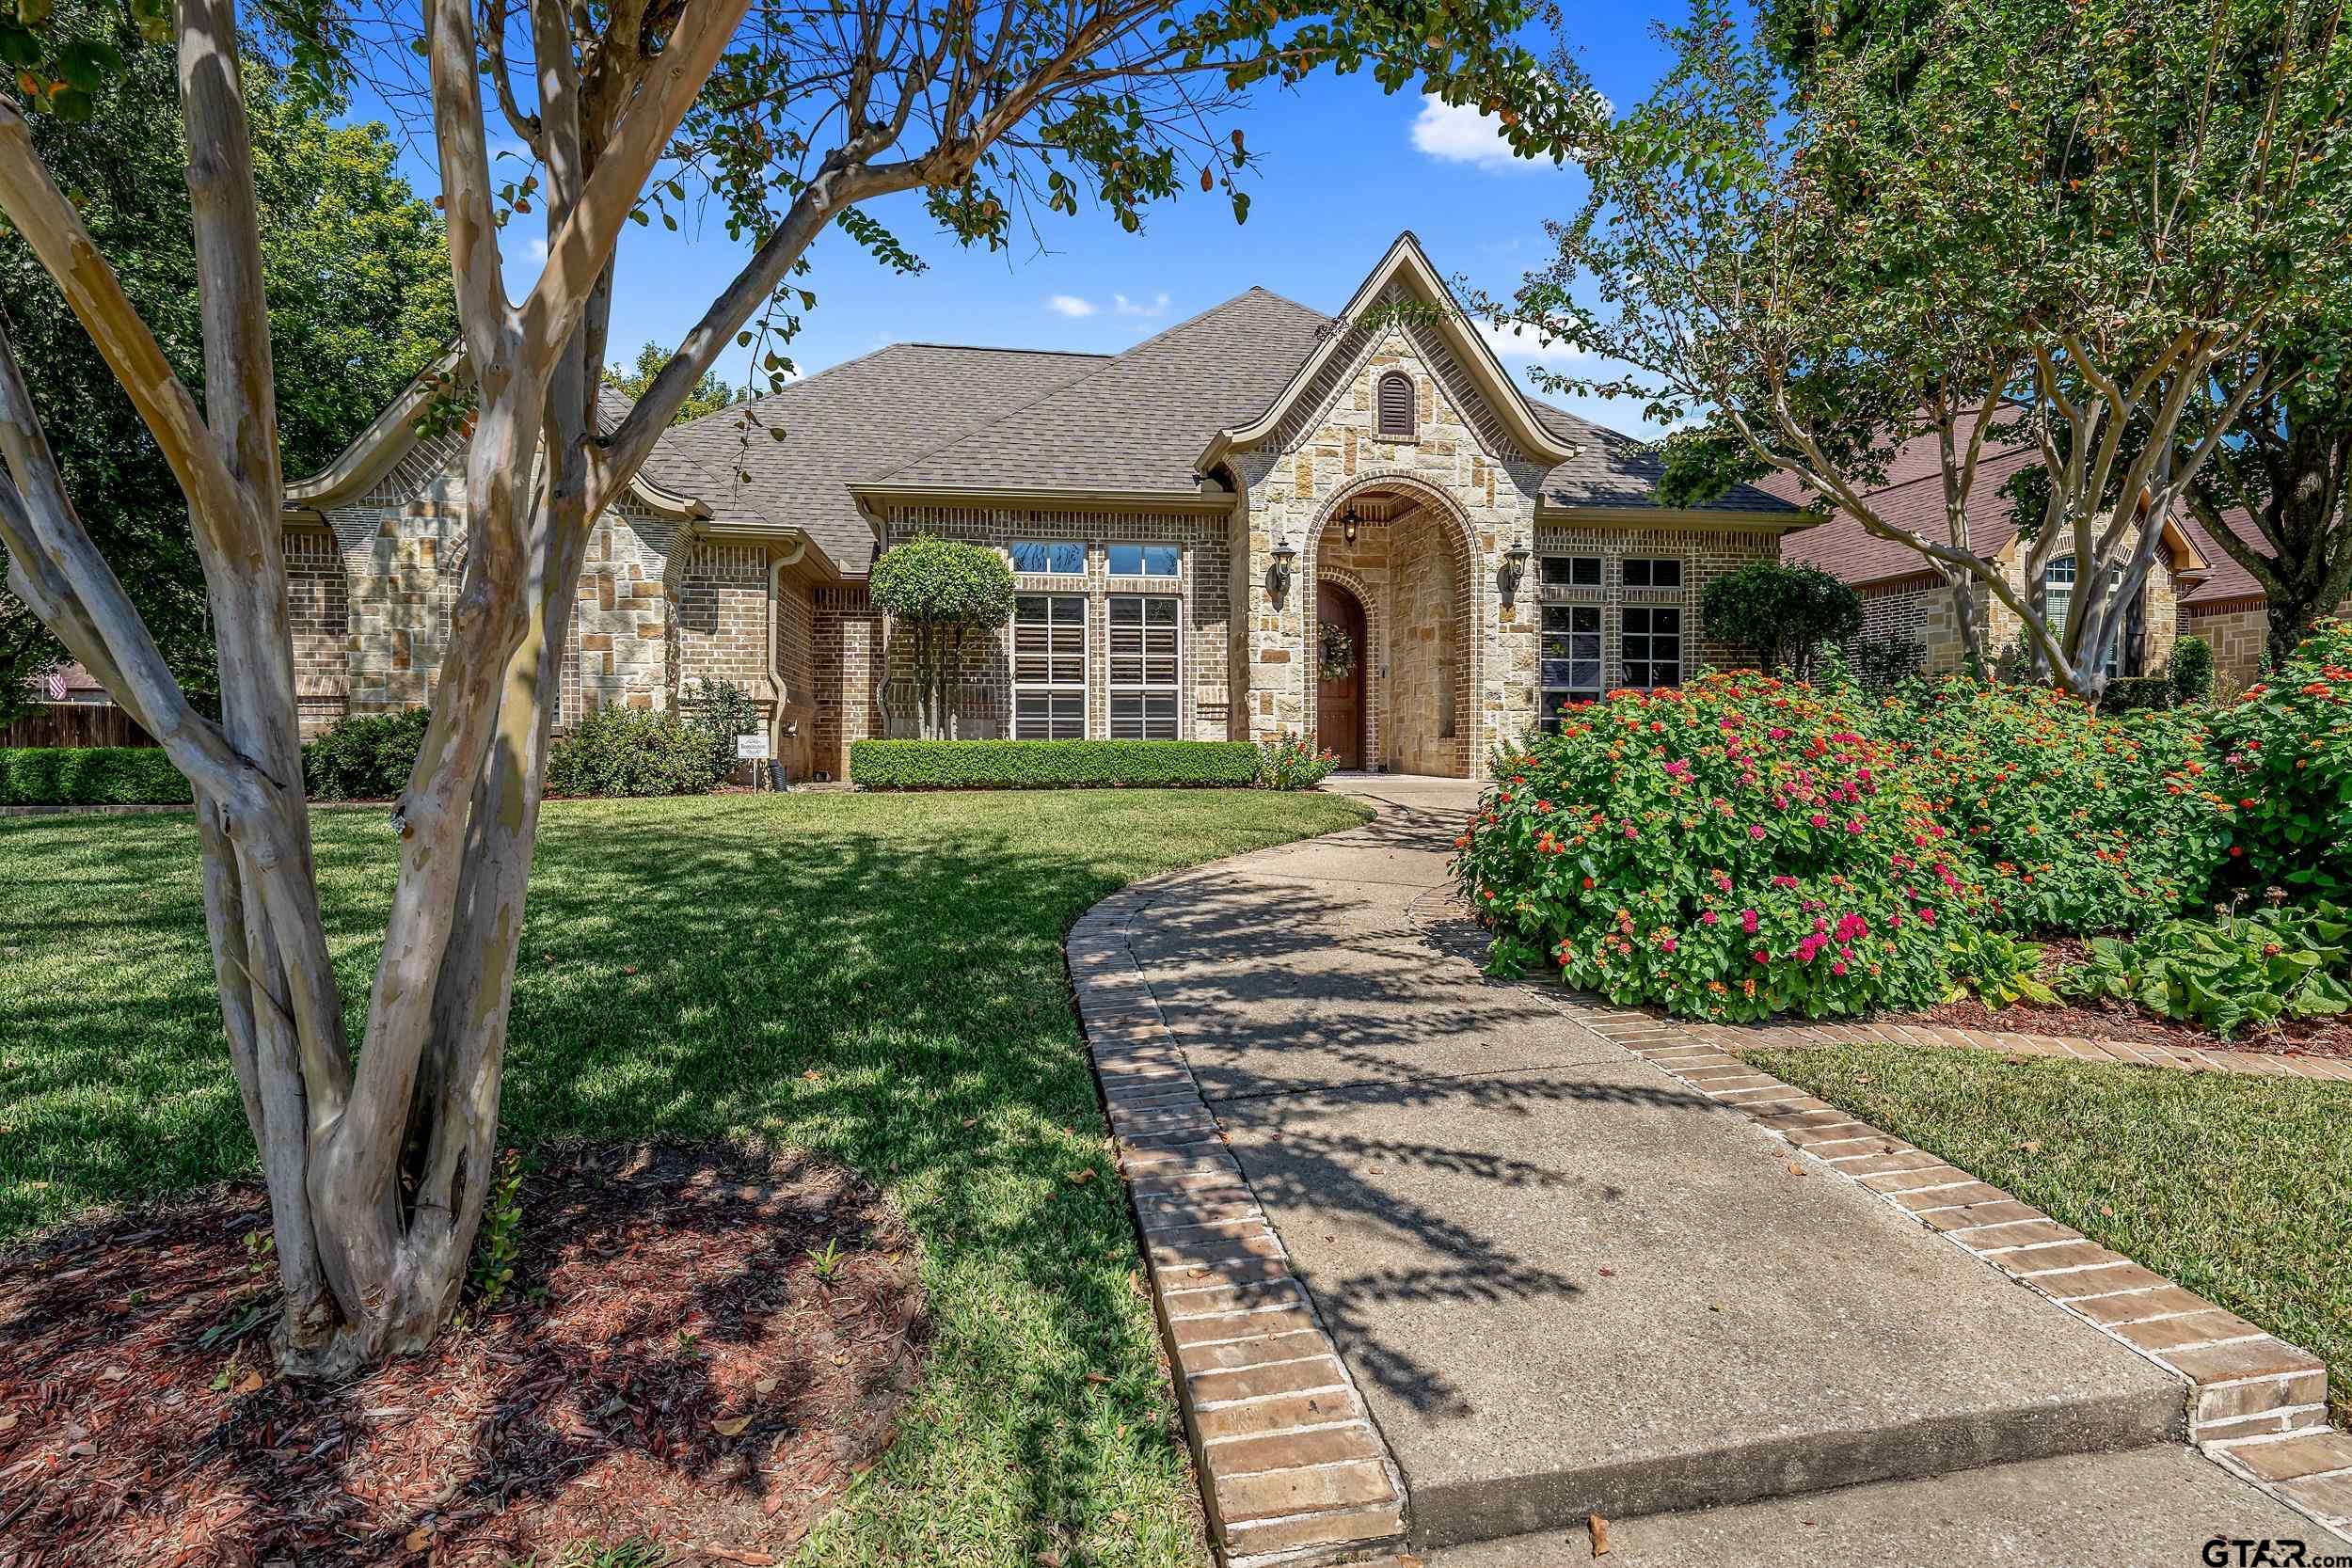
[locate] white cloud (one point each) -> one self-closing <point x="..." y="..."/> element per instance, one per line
<point x="1151" y="309"/>
<point x="1458" y="134"/>
<point x="537" y="249"/>
<point x="1072" y="305"/>
<point x="1517" y="346"/>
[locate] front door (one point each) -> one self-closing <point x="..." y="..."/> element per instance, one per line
<point x="1339" y="656"/>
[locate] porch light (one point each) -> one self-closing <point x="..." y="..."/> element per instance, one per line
<point x="1277" y="575"/>
<point x="1511" y="574"/>
<point x="1348" y="523"/>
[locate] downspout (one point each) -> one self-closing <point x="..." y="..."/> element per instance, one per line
<point x="775" y="650"/>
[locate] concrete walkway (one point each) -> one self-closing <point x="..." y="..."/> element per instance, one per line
<point x="1565" y="1283"/>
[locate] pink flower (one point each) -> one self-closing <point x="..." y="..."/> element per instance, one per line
<point x="1780" y="735"/>
<point x="1784" y="881"/>
<point x="1817" y="820"/>
<point x="1631" y="831"/>
<point x="1723" y="882"/>
<point x="1763" y="956"/>
<point x="1807" y="949"/>
<point x="1667" y="943"/>
<point x="1747" y="920"/>
<point x="1839" y="968"/>
<point x="1927" y="916"/>
<point x="1855" y="825"/>
<point x="1708" y="917"/>
<point x="1755" y="830"/>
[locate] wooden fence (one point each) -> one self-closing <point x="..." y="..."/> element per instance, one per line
<point x="73" y="725"/>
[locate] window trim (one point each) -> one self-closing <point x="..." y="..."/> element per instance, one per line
<point x="1543" y="565"/>
<point x="1681" y="576"/>
<point x="1050" y="687"/>
<point x="1173" y="688"/>
<point x="1380" y="425"/>
<point x="1049" y="547"/>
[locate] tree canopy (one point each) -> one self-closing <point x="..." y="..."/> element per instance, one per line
<point x="710" y="394"/>
<point x="2039" y="221"/>
<point x="360" y="301"/>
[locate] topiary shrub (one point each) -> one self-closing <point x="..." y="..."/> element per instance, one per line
<point x="1783" y="613"/>
<point x="2136" y="693"/>
<point x="90" y="776"/>
<point x="363" y="756"/>
<point x="939" y="592"/>
<point x="2192" y="670"/>
<point x="1051" y="764"/>
<point x="2286" y="769"/>
<point x="2082" y="822"/>
<point x="1731" y="850"/>
<point x="624" y="751"/>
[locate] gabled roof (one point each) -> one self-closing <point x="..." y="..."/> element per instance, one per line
<point x="1614" y="470"/>
<point x="1130" y="425"/>
<point x="2226" y="581"/>
<point x="860" y="419"/>
<point x="1404" y="266"/>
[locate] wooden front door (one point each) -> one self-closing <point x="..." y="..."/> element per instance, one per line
<point x="1339" y="703"/>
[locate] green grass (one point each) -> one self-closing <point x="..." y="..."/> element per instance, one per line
<point x="874" y="977"/>
<point x="2238" y="1188"/>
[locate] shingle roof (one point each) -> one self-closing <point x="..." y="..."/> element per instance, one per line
<point x="1911" y="498"/>
<point x="2226" y="581"/>
<point x="1135" y="422"/>
<point x="851" y="423"/>
<point x="1612" y="469"/>
<point x="668" y="466"/>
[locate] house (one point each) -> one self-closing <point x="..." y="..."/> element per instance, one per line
<point x="1263" y="519"/>
<point x="1904" y="598"/>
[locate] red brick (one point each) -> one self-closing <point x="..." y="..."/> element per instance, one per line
<point x="2066" y="1255"/>
<point x="2106" y="1281"/>
<point x="1287" y="1450"/>
<point x="1280" y="1492"/>
<point x="2262" y="1357"/>
<point x="1241" y="1326"/>
<point x="1256" y="1418"/>
<point x="1356" y="1527"/>
<point x="2140" y="1305"/>
<point x="2290" y="1458"/>
<point x="2194" y="1328"/>
<point x="1314" y="1374"/>
<point x="2330" y="1497"/>
<point x="1942" y="1196"/>
<point x="1299" y="1346"/>
<point x="1975" y="1214"/>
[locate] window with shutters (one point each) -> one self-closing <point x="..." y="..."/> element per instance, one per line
<point x="1049" y="666"/>
<point x="1396" y="404"/>
<point x="1144" y="666"/>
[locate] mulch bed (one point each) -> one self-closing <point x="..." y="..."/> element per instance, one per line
<point x="671" y="1366"/>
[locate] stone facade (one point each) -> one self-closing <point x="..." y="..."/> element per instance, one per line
<point x="1920" y="610"/>
<point x="2238" y="632"/>
<point x="1461" y="667"/>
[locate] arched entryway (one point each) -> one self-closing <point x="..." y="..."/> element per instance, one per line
<point x="1401" y="552"/>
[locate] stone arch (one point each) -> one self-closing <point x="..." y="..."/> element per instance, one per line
<point x="1462" y="742"/>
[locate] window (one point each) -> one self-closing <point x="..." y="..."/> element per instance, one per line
<point x="1396" y="404"/>
<point x="1571" y="571"/>
<point x="2058" y="601"/>
<point x="1644" y="572"/>
<point x="1651" y="643"/>
<point x="1143" y="561"/>
<point x="1571" y="658"/>
<point x="1049" y="666"/>
<point x="1055" y="558"/>
<point x="1143" y="668"/>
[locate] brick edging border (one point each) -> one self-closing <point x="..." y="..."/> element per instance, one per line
<point x="1292" y="1468"/>
<point x="2256" y="1404"/>
<point x="2104" y="1049"/>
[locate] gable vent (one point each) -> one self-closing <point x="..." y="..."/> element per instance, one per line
<point x="1397" y="404"/>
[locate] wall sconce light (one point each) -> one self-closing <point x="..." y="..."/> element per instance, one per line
<point x="1348" y="523"/>
<point x="1511" y="574"/>
<point x="1277" y="575"/>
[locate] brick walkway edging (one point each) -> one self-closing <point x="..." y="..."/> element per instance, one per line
<point x="2256" y="1404"/>
<point x="2104" y="1051"/>
<point x="1292" y="1468"/>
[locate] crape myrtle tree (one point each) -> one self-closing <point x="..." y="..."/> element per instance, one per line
<point x="2080" y="225"/>
<point x="940" y="592"/>
<point x="377" y="1153"/>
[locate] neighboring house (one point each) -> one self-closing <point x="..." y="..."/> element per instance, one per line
<point x="2229" y="609"/>
<point x="1484" y="557"/>
<point x="1904" y="598"/>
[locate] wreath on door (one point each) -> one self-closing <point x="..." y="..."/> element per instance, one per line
<point x="1338" y="652"/>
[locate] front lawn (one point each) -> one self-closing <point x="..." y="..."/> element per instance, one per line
<point x="2238" y="1188"/>
<point x="875" y="979"/>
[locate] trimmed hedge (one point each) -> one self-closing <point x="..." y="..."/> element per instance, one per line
<point x="1051" y="764"/>
<point x="90" y="776"/>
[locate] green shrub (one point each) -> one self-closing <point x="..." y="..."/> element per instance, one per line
<point x="1783" y="613"/>
<point x="2192" y="670"/>
<point x="723" y="710"/>
<point x="2286" y="772"/>
<point x="1880" y="663"/>
<point x="938" y="592"/>
<point x="1289" y="762"/>
<point x="363" y="756"/>
<point x="2224" y="974"/>
<point x="1999" y="969"/>
<point x="624" y="751"/>
<point x="1734" y="850"/>
<point x="2136" y="693"/>
<point x="1051" y="764"/>
<point x="2082" y="822"/>
<point x="90" y="776"/>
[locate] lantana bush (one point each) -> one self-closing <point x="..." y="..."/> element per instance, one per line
<point x="2082" y="821"/>
<point x="1734" y="850"/>
<point x="2286" y="765"/>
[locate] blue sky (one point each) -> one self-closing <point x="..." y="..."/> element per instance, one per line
<point x="1341" y="168"/>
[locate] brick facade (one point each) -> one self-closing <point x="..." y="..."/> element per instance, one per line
<point x="1921" y="610"/>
